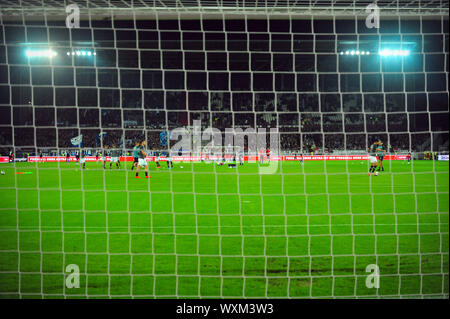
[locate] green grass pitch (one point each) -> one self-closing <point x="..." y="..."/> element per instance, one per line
<point x="208" y="231"/>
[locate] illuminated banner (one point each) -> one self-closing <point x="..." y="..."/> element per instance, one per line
<point x="339" y="157"/>
<point x="59" y="159"/>
<point x="50" y="159"/>
<point x="4" y="159"/>
<point x="86" y="158"/>
<point x="334" y="157"/>
<point x="219" y="158"/>
<point x="442" y="157"/>
<point x="396" y="157"/>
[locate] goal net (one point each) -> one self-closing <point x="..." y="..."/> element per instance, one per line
<point x="294" y="211"/>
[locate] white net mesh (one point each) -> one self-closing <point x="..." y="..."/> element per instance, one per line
<point x="197" y="229"/>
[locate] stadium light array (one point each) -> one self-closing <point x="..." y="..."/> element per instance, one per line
<point x="40" y="53"/>
<point x="81" y="53"/>
<point x="384" y="52"/>
<point x="354" y="52"/>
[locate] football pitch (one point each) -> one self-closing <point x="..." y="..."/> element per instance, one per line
<point x="208" y="231"/>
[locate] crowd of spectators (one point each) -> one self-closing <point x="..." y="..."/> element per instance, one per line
<point x="159" y="140"/>
<point x="316" y="133"/>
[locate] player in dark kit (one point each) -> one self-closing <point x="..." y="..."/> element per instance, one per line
<point x="381" y="151"/>
<point x="299" y="158"/>
<point x="157" y="156"/>
<point x="142" y="161"/>
<point x="11" y="156"/>
<point x="67" y="156"/>
<point x="115" y="157"/>
<point x="83" y="160"/>
<point x="135" y="156"/>
<point x="169" y="161"/>
<point x="77" y="156"/>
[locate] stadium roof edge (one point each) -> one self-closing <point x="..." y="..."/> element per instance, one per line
<point x="206" y="8"/>
<point x="145" y="14"/>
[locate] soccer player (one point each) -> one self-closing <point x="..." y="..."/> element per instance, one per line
<point x="103" y="156"/>
<point x="11" y="156"/>
<point x="142" y="162"/>
<point x="135" y="155"/>
<point x="261" y="156"/>
<point x="241" y="158"/>
<point x="157" y="157"/>
<point x="381" y="151"/>
<point x="300" y="158"/>
<point x="115" y="154"/>
<point x="373" y="158"/>
<point x="82" y="159"/>
<point x="409" y="158"/>
<point x="40" y="155"/>
<point x="77" y="156"/>
<point x="119" y="154"/>
<point x="223" y="157"/>
<point x="220" y="158"/>
<point x="169" y="161"/>
<point x="67" y="156"/>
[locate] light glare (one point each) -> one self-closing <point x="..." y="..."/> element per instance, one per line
<point x="40" y="53"/>
<point x="389" y="52"/>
